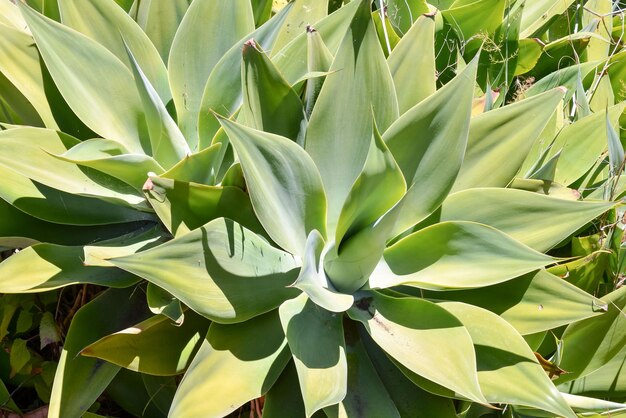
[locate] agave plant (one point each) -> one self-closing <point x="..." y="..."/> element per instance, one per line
<point x="388" y="209"/>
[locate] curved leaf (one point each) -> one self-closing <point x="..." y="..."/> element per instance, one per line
<point x="315" y="337"/>
<point x="504" y="357"/>
<point x="255" y="349"/>
<point x="79" y="381"/>
<point x="200" y="167"/>
<point x="455" y="255"/>
<point x="499" y="140"/>
<point x="140" y="348"/>
<point x="97" y="18"/>
<point x="302" y="14"/>
<point x="532" y="303"/>
<point x="423" y="337"/>
<point x="539" y="221"/>
<point x="86" y="72"/>
<point x="428" y="142"/>
<point x="160" y="21"/>
<point x="220" y="270"/>
<point x="412" y="63"/>
<point x="211" y="26"/>
<point x="285" y="186"/>
<point x="341" y="122"/>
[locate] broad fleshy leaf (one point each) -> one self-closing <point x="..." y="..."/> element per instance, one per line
<point x="316" y="341"/>
<point x="428" y="142"/>
<point x="455" y="255"/>
<point x="536" y="220"/>
<point x="79" y="381"/>
<point x="285" y="186"/>
<point x="212" y="26"/>
<point x="341" y="122"/>
<point x="255" y="349"/>
<point x="220" y="270"/>
<point x="423" y="337"/>
<point x="503" y="357"/>
<point x="141" y="347"/>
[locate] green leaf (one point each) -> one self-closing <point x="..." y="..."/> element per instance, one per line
<point x="220" y="270"/>
<point x="53" y="266"/>
<point x="584" y="404"/>
<point x="211" y="26"/>
<point x="476" y="18"/>
<point x="539" y="13"/>
<point x="19" y="356"/>
<point x="27" y="151"/>
<point x="582" y="142"/>
<point x="608" y="381"/>
<point x="110" y="157"/>
<point x="589" y="344"/>
<point x="341" y="122"/>
<point x="162" y="302"/>
<point x="160" y="21"/>
<point x="167" y="143"/>
<point x="141" y="347"/>
<point x="302" y="14"/>
<point x="319" y="59"/>
<point x="366" y="391"/>
<point x="269" y="102"/>
<point x="404" y="14"/>
<point x="79" y="381"/>
<point x="412" y="62"/>
<point x="200" y="167"/>
<point x="108" y="24"/>
<point x="428" y="142"/>
<point x="408" y="398"/>
<point x="503" y="357"/>
<point x="5" y="397"/>
<point x="10" y="15"/>
<point x="315" y="337"/>
<point x="19" y="63"/>
<point x="313" y="280"/>
<point x="531" y="303"/>
<point x="285" y="187"/>
<point x="183" y="206"/>
<point x="255" y="349"/>
<point x="48" y="331"/>
<point x="285" y="395"/>
<point x="456" y="255"/>
<point x="499" y="140"/>
<point x="406" y="326"/>
<point x="360" y="239"/>
<point x="222" y="92"/>
<point x="616" y="149"/>
<point x="86" y="72"/>
<point x="536" y="220"/>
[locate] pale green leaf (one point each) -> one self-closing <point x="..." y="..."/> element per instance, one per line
<point x="429" y="142"/>
<point x="403" y="14"/>
<point x="539" y="221"/>
<point x="200" y="167"/>
<point x="113" y="159"/>
<point x="108" y="24"/>
<point x="532" y="303"/>
<point x="160" y="21"/>
<point x="270" y="104"/>
<point x="539" y="12"/>
<point x="412" y="63"/>
<point x="424" y="338"/>
<point x="79" y="381"/>
<point x="53" y="266"/>
<point x="503" y="357"/>
<point x="213" y="27"/>
<point x="167" y="144"/>
<point x="476" y="18"/>
<point x="235" y="363"/>
<point x="161" y="301"/>
<point x="222" y="93"/>
<point x="86" y="72"/>
<point x="319" y="59"/>
<point x="302" y="14"/>
<point x="315" y="337"/>
<point x="220" y="270"/>
<point x="499" y="140"/>
<point x="341" y="122"/>
<point x="284" y="184"/>
<point x="141" y="347"/>
<point x="313" y="281"/>
<point x="456" y="255"/>
<point x="589" y="344"/>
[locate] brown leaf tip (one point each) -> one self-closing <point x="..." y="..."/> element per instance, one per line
<point x="310" y="29"/>
<point x="148" y="185"/>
